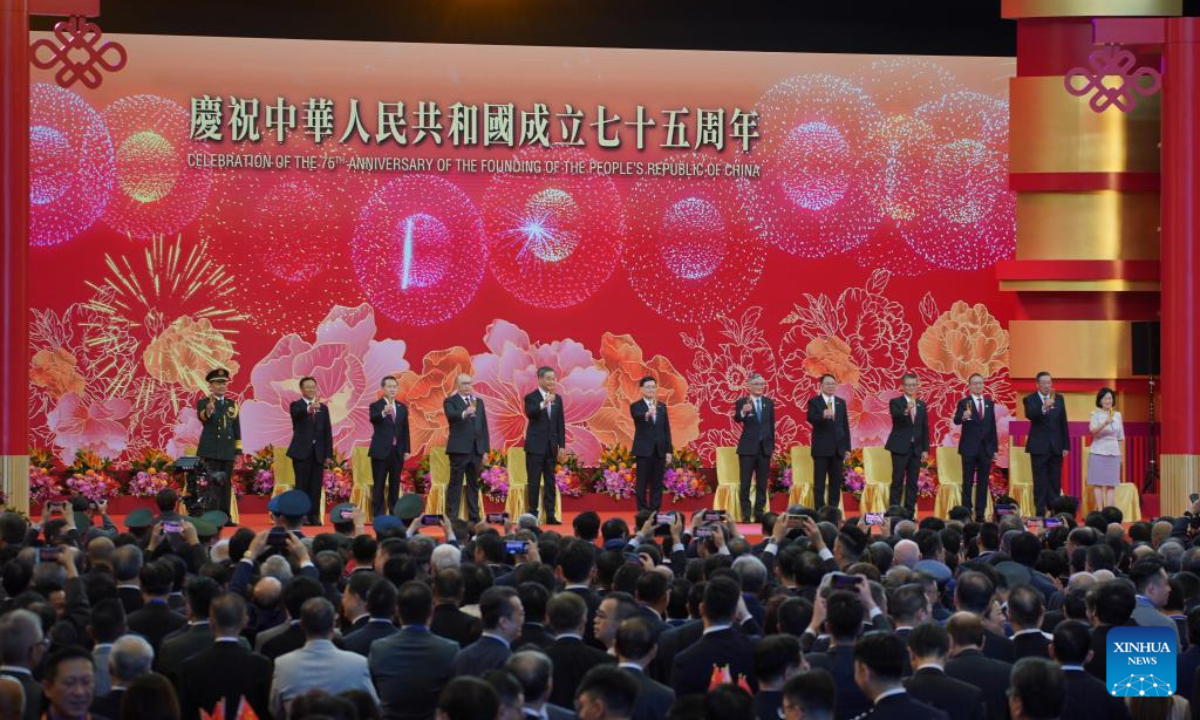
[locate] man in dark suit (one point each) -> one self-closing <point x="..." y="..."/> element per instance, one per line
<point x="535" y="672"/>
<point x="196" y="636"/>
<point x="776" y="658"/>
<point x="635" y="649"/>
<point x="467" y="444"/>
<point x="908" y="442"/>
<point x="534" y="597"/>
<point x="1048" y="441"/>
<point x="131" y="657"/>
<point x="1025" y="614"/>
<point x="756" y="414"/>
<point x="830" y="421"/>
<point x="968" y="664"/>
<point x="390" y="443"/>
<point x="156" y="619"/>
<point x="22" y="648"/>
<point x="411" y="667"/>
<point x="545" y="443"/>
<point x="502" y="615"/>
<point x="1037" y="690"/>
<point x="928" y="646"/>
<point x="651" y="445"/>
<point x="1087" y="698"/>
<point x="878" y="670"/>
<point x="978" y="443"/>
<point x="312" y="443"/>
<point x="722" y="645"/>
<point x="221" y="431"/>
<point x="381" y="604"/>
<point x="226" y="670"/>
<point x="843" y="613"/>
<point x="448" y="621"/>
<point x="566" y="614"/>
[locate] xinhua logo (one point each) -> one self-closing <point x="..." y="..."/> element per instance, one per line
<point x="1141" y="661"/>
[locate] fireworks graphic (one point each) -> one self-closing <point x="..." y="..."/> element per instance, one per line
<point x="692" y="250"/>
<point x="70" y="165"/>
<point x="294" y="228"/>
<point x="898" y="84"/>
<point x="155" y="191"/>
<point x="815" y="195"/>
<point x="553" y="240"/>
<point x="419" y="250"/>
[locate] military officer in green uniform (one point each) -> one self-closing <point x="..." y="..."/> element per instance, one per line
<point x="221" y="438"/>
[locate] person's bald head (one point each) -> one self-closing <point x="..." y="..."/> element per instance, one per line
<point x="267" y="592"/>
<point x="1081" y="581"/>
<point x="966" y="631"/>
<point x="906" y="553"/>
<point x="1160" y="532"/>
<point x="100" y="552"/>
<point x="12" y="699"/>
<point x="906" y="528"/>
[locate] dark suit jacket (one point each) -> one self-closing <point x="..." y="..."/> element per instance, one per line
<point x="650" y="439"/>
<point x="978" y="435"/>
<point x="654" y="700"/>
<point x="767" y="704"/>
<point x="1097" y="666"/>
<point x="486" y="653"/>
<point x="467" y="435"/>
<point x="388" y="433"/>
<point x="131" y="599"/>
<point x="997" y="647"/>
<point x="154" y="622"/>
<point x="693" y="667"/>
<point x="1087" y="699"/>
<point x="360" y="640"/>
<point x="908" y="435"/>
<point x="1030" y="645"/>
<point x="758" y="436"/>
<point x="592" y="599"/>
<point x="535" y="635"/>
<point x="453" y="624"/>
<point x="959" y="700"/>
<point x="572" y="659"/>
<point x="33" y="693"/>
<point x="107" y="706"/>
<point x="409" y="669"/>
<point x="544" y="434"/>
<point x="181" y="645"/>
<point x="830" y="438"/>
<point x="903" y="706"/>
<point x="990" y="676"/>
<point x="292" y="638"/>
<point x="671" y="643"/>
<point x="225" y="670"/>
<point x="1047" y="431"/>
<point x="312" y="433"/>
<point x="839" y="663"/>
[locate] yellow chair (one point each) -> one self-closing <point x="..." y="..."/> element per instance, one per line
<point x="364" y="481"/>
<point x="439" y="481"/>
<point x="518" y="488"/>
<point x="1020" y="479"/>
<point x="234" y="515"/>
<point x="877" y="466"/>
<point x="285" y="479"/>
<point x="729" y="483"/>
<point x="1125" y="496"/>
<point x="802" y="477"/>
<point x="949" y="491"/>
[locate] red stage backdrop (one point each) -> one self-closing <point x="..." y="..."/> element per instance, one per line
<point x="441" y="209"/>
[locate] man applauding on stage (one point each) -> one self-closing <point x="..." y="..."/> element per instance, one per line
<point x="978" y="443"/>
<point x="908" y="442"/>
<point x="756" y="413"/>
<point x="312" y="444"/>
<point x="1048" y="441"/>
<point x="545" y="443"/>
<point x="466" y="446"/>
<point x="389" y="445"/>
<point x="830" y="420"/>
<point x="221" y="437"/>
<point x="651" y="444"/>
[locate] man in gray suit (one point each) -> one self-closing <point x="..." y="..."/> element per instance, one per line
<point x="21" y="649"/>
<point x="410" y="667"/>
<point x="502" y="614"/>
<point x="319" y="665"/>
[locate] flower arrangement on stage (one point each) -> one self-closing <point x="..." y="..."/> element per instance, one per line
<point x="998" y="482"/>
<point x="415" y="477"/>
<point x="86" y="460"/>
<point x="682" y="479"/>
<point x="337" y="481"/>
<point x="494" y="477"/>
<point x="259" y="473"/>
<point x="615" y="476"/>
<point x="569" y="477"/>
<point x="151" y="459"/>
<point x="148" y="483"/>
<point x="781" y="477"/>
<point x="927" y="479"/>
<point x="42" y="485"/>
<point x="95" y="486"/>
<point x="44" y="459"/>
<point x="855" y="475"/>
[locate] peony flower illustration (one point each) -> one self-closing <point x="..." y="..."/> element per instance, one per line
<point x="95" y="426"/>
<point x="622" y="358"/>
<point x="56" y="370"/>
<point x="186" y="351"/>
<point x="870" y="419"/>
<point x="185" y="433"/>
<point x="876" y="331"/>
<point x="347" y="363"/>
<point x="506" y="374"/>
<point x="424" y="393"/>
<point x="964" y="340"/>
<point x="830" y="355"/>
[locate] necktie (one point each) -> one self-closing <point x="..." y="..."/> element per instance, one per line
<point x="549" y="407"/>
<point x="912" y="412"/>
<point x="758" y="409"/>
<point x="979" y="407"/>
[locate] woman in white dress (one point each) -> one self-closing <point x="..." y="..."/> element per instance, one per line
<point x="1104" y="458"/>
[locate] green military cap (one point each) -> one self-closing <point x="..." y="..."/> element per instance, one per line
<point x="216" y="517"/>
<point x="204" y="527"/>
<point x="408" y="507"/>
<point x="139" y="518"/>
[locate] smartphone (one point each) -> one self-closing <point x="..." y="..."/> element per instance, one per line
<point x="665" y="518"/>
<point x="432" y="520"/>
<point x="714" y="515"/>
<point x="172" y="526"/>
<point x="1005" y="510"/>
<point x="1053" y="522"/>
<point x="873" y="518"/>
<point x="516" y="547"/>
<point x="49" y="553"/>
<point x="491" y="518"/>
<point x="704" y="531"/>
<point x="842" y="581"/>
<point x="277" y="538"/>
<point x="632" y="558"/>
